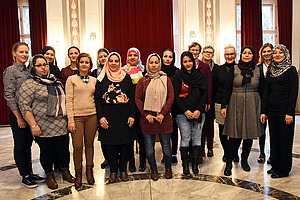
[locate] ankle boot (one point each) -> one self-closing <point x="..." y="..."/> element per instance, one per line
<point x="89" y="174"/>
<point x="154" y="174"/>
<point x="196" y="155"/>
<point x="184" y="157"/>
<point x="78" y="179"/>
<point x="227" y="171"/>
<point x="51" y="182"/>
<point x="124" y="176"/>
<point x="65" y="172"/>
<point x="112" y="177"/>
<point x="245" y="165"/>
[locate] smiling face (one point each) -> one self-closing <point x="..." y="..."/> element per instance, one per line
<point x="195" y="51"/>
<point x="102" y="58"/>
<point x="133" y="59"/>
<point x="167" y="58"/>
<point x="49" y="55"/>
<point x="114" y="63"/>
<point x="230" y="55"/>
<point x="41" y="67"/>
<point x="84" y="65"/>
<point x="266" y="53"/>
<point x="73" y="54"/>
<point x="208" y="54"/>
<point x="154" y="64"/>
<point x="187" y="63"/>
<point x="278" y="55"/>
<point x="247" y="55"/>
<point x="21" y="54"/>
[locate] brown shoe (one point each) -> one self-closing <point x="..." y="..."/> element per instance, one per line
<point x="65" y="172"/>
<point x="200" y="160"/>
<point x="78" y="179"/>
<point x="51" y="182"/>
<point x="168" y="173"/>
<point x="89" y="174"/>
<point x="112" y="177"/>
<point x="210" y="153"/>
<point x="154" y="174"/>
<point x="124" y="176"/>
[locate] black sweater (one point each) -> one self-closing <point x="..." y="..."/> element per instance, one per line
<point x="219" y="77"/>
<point x="280" y="94"/>
<point x="192" y="103"/>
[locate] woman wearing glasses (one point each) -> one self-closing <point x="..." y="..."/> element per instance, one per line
<point x="42" y="103"/>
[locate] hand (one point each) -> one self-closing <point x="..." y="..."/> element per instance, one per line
<point x="21" y="122"/>
<point x="207" y="107"/>
<point x="103" y="123"/>
<point x="223" y="112"/>
<point x="159" y="118"/>
<point x="36" y="130"/>
<point x="263" y="118"/>
<point x="130" y="121"/>
<point x="196" y="114"/>
<point x="188" y="114"/>
<point x="72" y="127"/>
<point x="150" y="118"/>
<point x="288" y="119"/>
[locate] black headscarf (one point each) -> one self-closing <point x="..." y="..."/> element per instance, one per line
<point x="168" y="69"/>
<point x="193" y="79"/>
<point x="247" y="67"/>
<point x="52" y="66"/>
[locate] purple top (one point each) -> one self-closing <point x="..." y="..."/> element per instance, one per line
<point x="205" y="69"/>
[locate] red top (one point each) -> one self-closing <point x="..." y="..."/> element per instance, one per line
<point x="205" y="69"/>
<point x="184" y="90"/>
<point x="167" y="125"/>
<point x="65" y="73"/>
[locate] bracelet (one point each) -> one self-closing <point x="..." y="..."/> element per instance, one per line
<point x="34" y="126"/>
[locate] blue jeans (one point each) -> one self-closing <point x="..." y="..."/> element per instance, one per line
<point x="189" y="130"/>
<point x="149" y="140"/>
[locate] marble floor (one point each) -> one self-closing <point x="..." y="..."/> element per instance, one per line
<point x="209" y="184"/>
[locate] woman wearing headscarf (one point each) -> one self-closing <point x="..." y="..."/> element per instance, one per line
<point x="135" y="69"/>
<point x="42" y="103"/>
<point x="101" y="60"/>
<point x="116" y="111"/>
<point x="190" y="91"/>
<point x="279" y="102"/>
<point x="167" y="66"/>
<point x="71" y="69"/>
<point x="263" y="63"/>
<point x="154" y="98"/>
<point x="49" y="53"/>
<point x="82" y="118"/>
<point x="242" y="93"/>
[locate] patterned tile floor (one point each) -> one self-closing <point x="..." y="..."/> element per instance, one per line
<point x="209" y="184"/>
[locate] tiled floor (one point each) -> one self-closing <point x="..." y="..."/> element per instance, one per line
<point x="209" y="184"/>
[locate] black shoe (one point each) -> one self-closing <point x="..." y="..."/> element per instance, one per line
<point x="224" y="159"/>
<point x="261" y="158"/>
<point x="227" y="171"/>
<point x="236" y="159"/>
<point x="275" y="175"/>
<point x="104" y="164"/>
<point x="163" y="160"/>
<point x="142" y="166"/>
<point x="36" y="178"/>
<point x="174" y="160"/>
<point x="132" y="167"/>
<point x="245" y="165"/>
<point x="270" y="171"/>
<point x="27" y="182"/>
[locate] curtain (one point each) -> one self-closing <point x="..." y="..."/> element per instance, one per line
<point x="38" y="25"/>
<point x="146" y="25"/>
<point x="251" y="25"/>
<point x="285" y="22"/>
<point x="9" y="34"/>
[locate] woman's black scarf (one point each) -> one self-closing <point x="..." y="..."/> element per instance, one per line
<point x="168" y="69"/>
<point x="247" y="67"/>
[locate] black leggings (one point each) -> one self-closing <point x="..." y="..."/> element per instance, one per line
<point x="233" y="147"/>
<point x="113" y="156"/>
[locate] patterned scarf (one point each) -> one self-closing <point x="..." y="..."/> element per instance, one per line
<point x="276" y="69"/>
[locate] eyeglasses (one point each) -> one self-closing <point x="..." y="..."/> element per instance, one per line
<point x="42" y="65"/>
<point x="208" y="52"/>
<point x="229" y="54"/>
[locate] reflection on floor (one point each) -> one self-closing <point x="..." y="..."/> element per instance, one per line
<point x="209" y="184"/>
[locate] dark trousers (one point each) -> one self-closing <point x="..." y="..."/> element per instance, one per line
<point x="233" y="147"/>
<point x="262" y="140"/>
<point x="118" y="156"/>
<point x="223" y="140"/>
<point x="104" y="151"/>
<point x="281" y="137"/>
<point x="174" y="136"/>
<point x="51" y="148"/>
<point x="22" y="145"/>
<point x="208" y="133"/>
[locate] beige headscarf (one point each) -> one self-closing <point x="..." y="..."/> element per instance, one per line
<point x="117" y="76"/>
<point x="156" y="92"/>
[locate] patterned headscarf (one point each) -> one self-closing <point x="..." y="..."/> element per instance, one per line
<point x="276" y="69"/>
<point x="117" y="76"/>
<point x="135" y="50"/>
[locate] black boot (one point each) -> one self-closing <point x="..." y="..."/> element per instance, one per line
<point x="227" y="171"/>
<point x="196" y="154"/>
<point x="184" y="157"/>
<point x="245" y="165"/>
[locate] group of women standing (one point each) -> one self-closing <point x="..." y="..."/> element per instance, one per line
<point x="136" y="102"/>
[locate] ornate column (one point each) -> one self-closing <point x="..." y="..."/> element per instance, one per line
<point x="209" y="22"/>
<point x="74" y="23"/>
